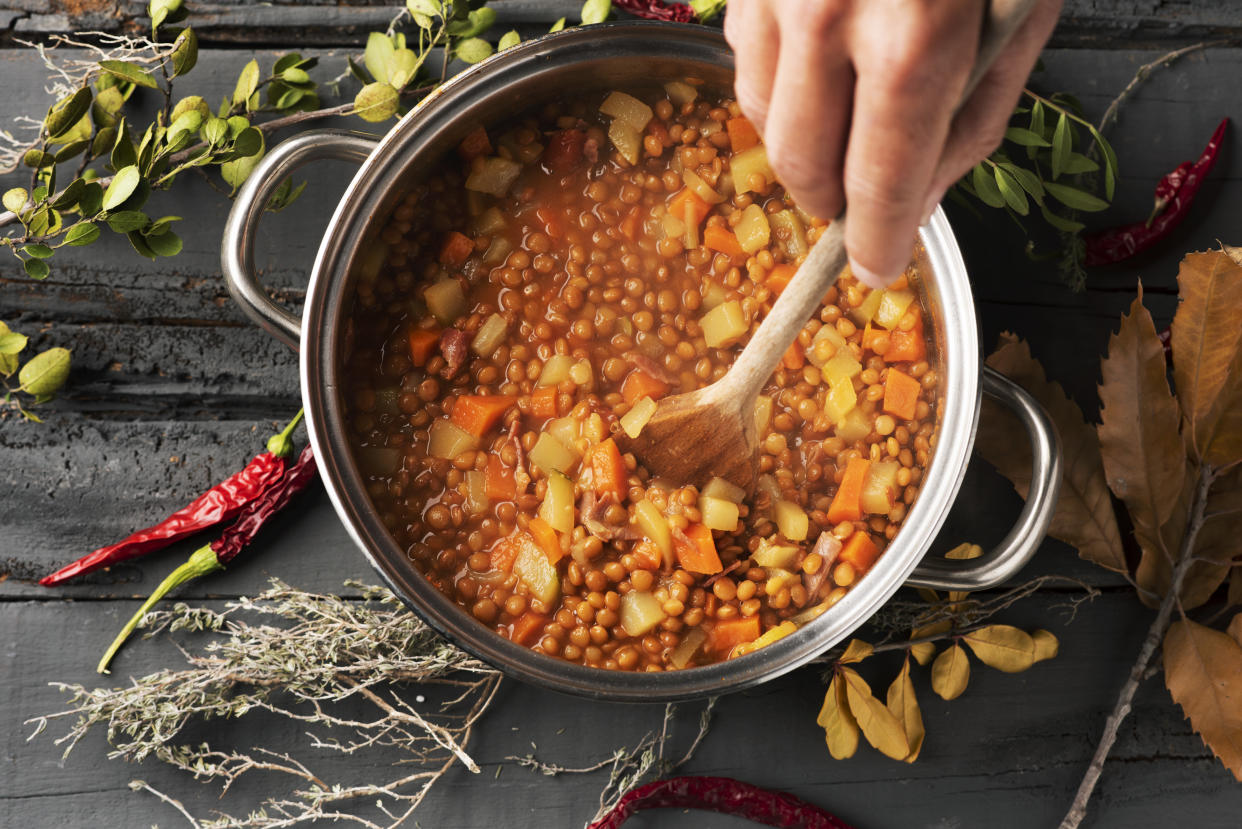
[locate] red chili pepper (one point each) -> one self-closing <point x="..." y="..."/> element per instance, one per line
<point x="657" y="10"/>
<point x="724" y="795"/>
<point x="212" y="557"/>
<point x="220" y="503"/>
<point x="1177" y="191"/>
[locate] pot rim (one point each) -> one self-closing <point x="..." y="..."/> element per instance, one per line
<point x="947" y="293"/>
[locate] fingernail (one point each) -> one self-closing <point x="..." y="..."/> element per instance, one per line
<point x="869" y="277"/>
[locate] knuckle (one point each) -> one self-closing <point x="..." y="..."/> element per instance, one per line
<point x="879" y="193"/>
<point x="819" y="17"/>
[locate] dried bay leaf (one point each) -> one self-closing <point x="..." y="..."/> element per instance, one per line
<point x="1235" y="628"/>
<point x="904" y="705"/>
<point x="951" y="672"/>
<point x="1003" y="647"/>
<point x="856" y="651"/>
<point x="1203" y="672"/>
<point x="878" y="724"/>
<point x="1084" y="517"/>
<point x="835" y="717"/>
<point x="923" y="651"/>
<point x="1206" y="337"/>
<point x="1046" y="644"/>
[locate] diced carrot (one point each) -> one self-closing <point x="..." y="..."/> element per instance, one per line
<point x="742" y="134"/>
<point x="564" y="150"/>
<point x="872" y="336"/>
<point x="474" y="145"/>
<point x="907" y="346"/>
<point x="608" y="470"/>
<point x="553" y="221"/>
<point x="687" y="206"/>
<point x="729" y="633"/>
<point x="901" y="394"/>
<point x="860" y="551"/>
<point x="779" y="277"/>
<point x="639" y="384"/>
<point x="699" y="556"/>
<point x="847" y="503"/>
<point x="543" y="402"/>
<point x="498" y="480"/>
<point x="526" y="626"/>
<point x="477" y="414"/>
<point x="648" y="555"/>
<point x="629" y="225"/>
<point x="546" y="538"/>
<point x="722" y="239"/>
<point x="505" y="551"/>
<point x="456" y="249"/>
<point x="793" y="359"/>
<point x="422" y="343"/>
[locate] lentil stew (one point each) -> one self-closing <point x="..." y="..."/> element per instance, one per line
<point x="535" y="296"/>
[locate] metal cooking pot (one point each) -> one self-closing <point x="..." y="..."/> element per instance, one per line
<point x="621" y="55"/>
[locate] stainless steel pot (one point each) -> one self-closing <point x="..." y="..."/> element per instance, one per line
<point x="622" y="55"/>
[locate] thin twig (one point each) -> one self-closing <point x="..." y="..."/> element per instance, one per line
<point x="1144" y="71"/>
<point x="142" y="786"/>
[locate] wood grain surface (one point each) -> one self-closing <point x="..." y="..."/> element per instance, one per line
<point x="171" y="390"/>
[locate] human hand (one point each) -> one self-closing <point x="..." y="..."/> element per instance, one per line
<point x="857" y="101"/>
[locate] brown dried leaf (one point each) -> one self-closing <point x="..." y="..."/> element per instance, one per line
<point x="923" y="651"/>
<point x="1046" y="644"/>
<point x="1203" y="672"/>
<point x="840" y="727"/>
<point x="1154" y="572"/>
<point x="1003" y="647"/>
<point x="1235" y="586"/>
<point x="964" y="552"/>
<point x="856" y="651"/>
<point x="1219" y="540"/>
<point x="951" y="672"/>
<point x="879" y="726"/>
<point x="1206" y="338"/>
<point x="905" y="707"/>
<point x="1235" y="628"/>
<point x="1084" y="516"/>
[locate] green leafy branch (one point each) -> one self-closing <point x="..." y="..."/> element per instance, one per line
<point x="38" y="379"/>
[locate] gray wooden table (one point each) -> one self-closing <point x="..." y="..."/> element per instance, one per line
<point x="172" y="388"/>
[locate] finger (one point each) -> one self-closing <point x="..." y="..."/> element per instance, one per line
<point x="979" y="126"/>
<point x="751" y="29"/>
<point x="911" y="72"/>
<point x="808" y="115"/>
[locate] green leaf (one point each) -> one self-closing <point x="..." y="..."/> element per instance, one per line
<point x="160" y="225"/>
<point x="71" y="150"/>
<point x="1079" y="163"/>
<point x="105" y="139"/>
<point x="124" y="153"/>
<point x="107" y="104"/>
<point x="165" y="244"/>
<point x="45" y="373"/>
<point x="428" y="8"/>
<point x="160" y="10"/>
<point x="214" y="131"/>
<point x="1062" y="144"/>
<point x="557" y="26"/>
<point x="14" y="200"/>
<point x="66" y="112"/>
<point x="295" y="75"/>
<point x="36" y="268"/>
<point x="358" y="74"/>
<point x="1110" y="162"/>
<point x="129" y="72"/>
<point x="237" y="171"/>
<point x="140" y="245"/>
<point x="1037" y="119"/>
<point x="376" y="102"/>
<point x="1060" y="222"/>
<point x="595" y="11"/>
<point x="127" y="220"/>
<point x="123" y="185"/>
<point x="247" y="83"/>
<point x="285" y="195"/>
<point x="1027" y="138"/>
<point x="186" y="123"/>
<point x="37" y="158"/>
<point x="985" y="186"/>
<point x="185" y="52"/>
<point x="248" y="142"/>
<point x="288" y="61"/>
<point x="707" y="9"/>
<point x="476" y="23"/>
<point x="379" y="55"/>
<point x="190" y="103"/>
<point x="1075" y="198"/>
<point x="82" y="234"/>
<point x="11" y="342"/>
<point x="1029" y="181"/>
<point x="402" y="67"/>
<point x="91" y="200"/>
<point x="473" y="50"/>
<point x="37" y="250"/>
<point x="237" y="123"/>
<point x="509" y="39"/>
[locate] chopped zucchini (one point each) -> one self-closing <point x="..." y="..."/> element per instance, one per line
<point x="476" y="492"/>
<point x="791" y="520"/>
<point x="770" y="554"/>
<point x="448" y="440"/>
<point x="636" y="418"/>
<point x="748" y="162"/>
<point x="688" y="646"/>
<point x="879" y="487"/>
<point x="489" y="222"/>
<point x="718" y="513"/>
<point x="550" y="455"/>
<point x="654" y="525"/>
<point x="752" y="229"/>
<point x="627" y="140"/>
<point x="555" y="370"/>
<point x="680" y="92"/>
<point x="724" y="325"/>
<point x="445" y="301"/>
<point x="498" y="251"/>
<point x="493" y="175"/>
<point x="788" y="229"/>
<point x="558" y="503"/>
<point x="566" y="430"/>
<point x="700" y="188"/>
<point x="535" y="571"/>
<point x="640" y="612"/>
<point x="490" y="334"/>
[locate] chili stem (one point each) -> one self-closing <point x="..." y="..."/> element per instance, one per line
<point x="281" y="444"/>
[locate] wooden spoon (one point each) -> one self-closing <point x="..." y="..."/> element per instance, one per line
<point x="711" y="431"/>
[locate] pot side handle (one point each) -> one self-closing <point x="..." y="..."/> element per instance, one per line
<point x="1004" y="562"/>
<point x="237" y="249"/>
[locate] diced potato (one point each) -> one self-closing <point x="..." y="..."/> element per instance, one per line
<point x="791" y="520"/>
<point x="490" y="334"/>
<point x="448" y="441"/>
<point x="778" y="577"/>
<point x="700" y="187"/>
<point x="720" y="488"/>
<point x="773" y="634"/>
<point x="680" y="92"/>
<point x="768" y="554"/>
<point x="826" y="333"/>
<point x="445" y="301"/>
<point x="476" y="492"/>
<point x="892" y="308"/>
<point x="640" y="612"/>
<point x="497" y="251"/>
<point x="841" y="367"/>
<point x="566" y="430"/>
<point x="654" y="525"/>
<point x="879" y="487"/>
<point x="580" y="372"/>
<point x="489" y="222"/>
<point x="627" y="108"/>
<point x="752" y="229"/>
<point x="855" y="426"/>
<point x="718" y="513"/>
<point x="535" y="571"/>
<point x="713" y="295"/>
<point x="673" y="226"/>
<point x="763" y="414"/>
<point x="558" y="503"/>
<point x="839" y="401"/>
<point x="747" y="163"/>
<point x="768" y="485"/>
<point x="627" y="140"/>
<point x="864" y="313"/>
<point x="688" y="646"/>
<point x="724" y="325"/>
<point x="636" y="418"/>
<point x="493" y="175"/>
<point x="791" y="234"/>
<point x="555" y="370"/>
<point x="550" y="455"/>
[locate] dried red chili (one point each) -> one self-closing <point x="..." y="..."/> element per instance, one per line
<point x="1174" y="194"/>
<point x="724" y="795"/>
<point x="220" y="503"/>
<point x="213" y="557"/>
<point x="657" y="10"/>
